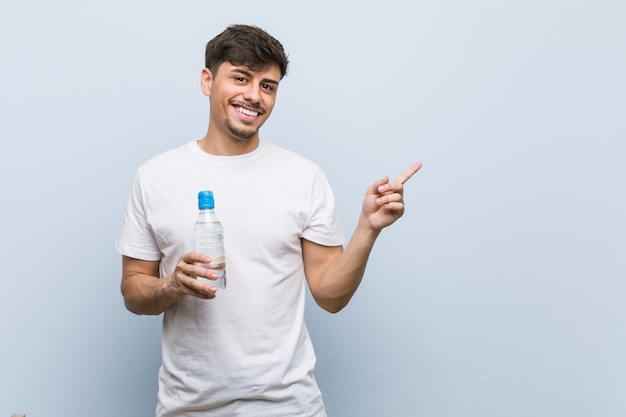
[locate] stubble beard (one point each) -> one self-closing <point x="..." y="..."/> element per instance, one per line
<point x="240" y="133"/>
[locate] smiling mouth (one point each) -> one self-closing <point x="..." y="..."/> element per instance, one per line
<point x="247" y="112"/>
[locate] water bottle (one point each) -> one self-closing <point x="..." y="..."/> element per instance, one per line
<point x="208" y="234"/>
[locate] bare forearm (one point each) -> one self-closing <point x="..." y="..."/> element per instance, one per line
<point x="337" y="277"/>
<point x="341" y="280"/>
<point x="146" y="294"/>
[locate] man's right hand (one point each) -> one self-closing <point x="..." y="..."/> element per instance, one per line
<point x="183" y="281"/>
<point x="145" y="293"/>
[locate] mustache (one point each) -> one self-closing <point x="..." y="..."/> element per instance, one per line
<point x="254" y="106"/>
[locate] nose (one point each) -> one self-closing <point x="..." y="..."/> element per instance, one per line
<point x="253" y="93"/>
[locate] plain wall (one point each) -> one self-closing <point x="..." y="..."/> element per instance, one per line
<point x="499" y="293"/>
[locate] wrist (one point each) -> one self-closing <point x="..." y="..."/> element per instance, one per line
<point x="365" y="228"/>
<point x="167" y="289"/>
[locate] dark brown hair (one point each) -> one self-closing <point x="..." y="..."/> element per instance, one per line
<point x="245" y="45"/>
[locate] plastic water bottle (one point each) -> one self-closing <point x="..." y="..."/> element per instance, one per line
<point x="209" y="237"/>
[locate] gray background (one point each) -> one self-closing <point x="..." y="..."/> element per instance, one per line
<point x="500" y="293"/>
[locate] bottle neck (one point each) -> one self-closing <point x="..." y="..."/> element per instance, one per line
<point x="207" y="215"/>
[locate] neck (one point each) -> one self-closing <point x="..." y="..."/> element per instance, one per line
<point x="227" y="145"/>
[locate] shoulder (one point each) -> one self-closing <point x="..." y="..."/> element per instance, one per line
<point x="284" y="156"/>
<point x="167" y="158"/>
<point x="169" y="164"/>
<point x="164" y="169"/>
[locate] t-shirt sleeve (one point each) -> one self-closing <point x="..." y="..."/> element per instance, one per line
<point x="324" y="227"/>
<point x="136" y="239"/>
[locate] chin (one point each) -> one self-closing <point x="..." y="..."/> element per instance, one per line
<point x="241" y="133"/>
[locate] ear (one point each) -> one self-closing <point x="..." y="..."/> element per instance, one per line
<point x="206" y="80"/>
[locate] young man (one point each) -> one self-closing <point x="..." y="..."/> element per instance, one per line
<point x="244" y="351"/>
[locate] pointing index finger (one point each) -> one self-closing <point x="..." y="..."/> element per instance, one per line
<point x="406" y="175"/>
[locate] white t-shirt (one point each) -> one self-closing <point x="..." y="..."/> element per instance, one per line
<point x="247" y="352"/>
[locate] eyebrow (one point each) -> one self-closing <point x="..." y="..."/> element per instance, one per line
<point x="249" y="74"/>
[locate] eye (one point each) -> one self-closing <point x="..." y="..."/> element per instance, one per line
<point x="267" y="87"/>
<point x="240" y="79"/>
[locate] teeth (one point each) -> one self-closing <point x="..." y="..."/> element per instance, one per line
<point x="247" y="112"/>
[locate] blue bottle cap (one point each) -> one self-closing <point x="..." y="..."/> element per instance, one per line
<point x="205" y="200"/>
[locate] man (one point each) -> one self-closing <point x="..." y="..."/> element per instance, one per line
<point x="244" y="351"/>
